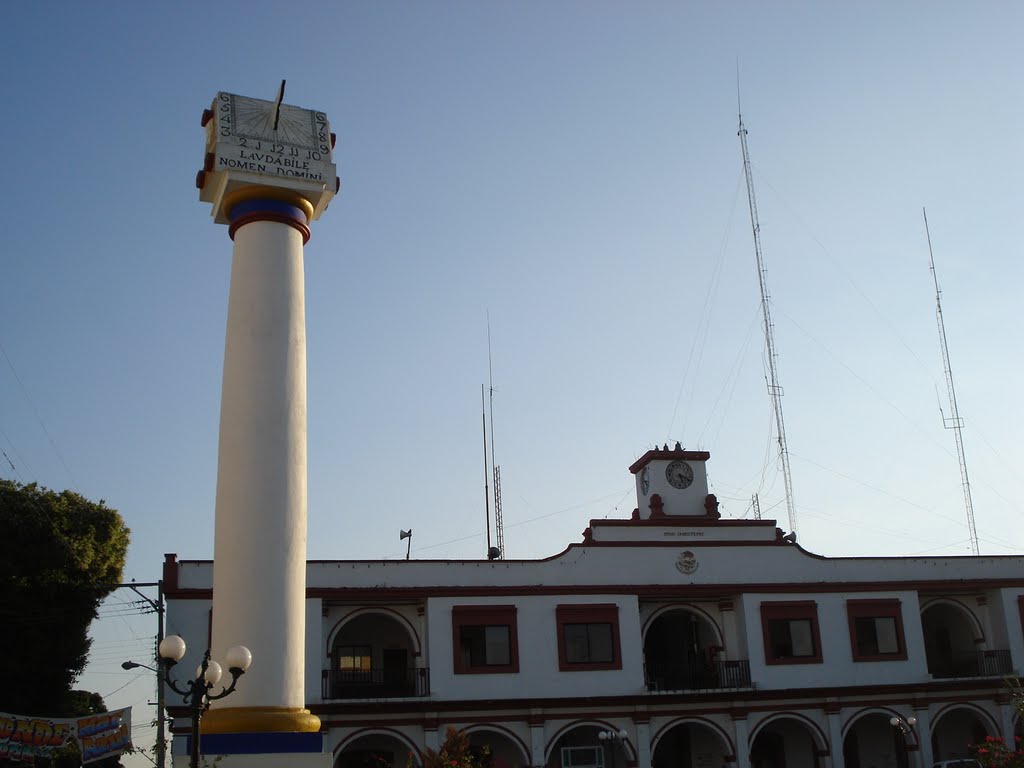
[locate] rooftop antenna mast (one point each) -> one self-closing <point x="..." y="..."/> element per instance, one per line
<point x="499" y="526"/>
<point x="487" y="490"/>
<point x="774" y="389"/>
<point x="954" y="421"/>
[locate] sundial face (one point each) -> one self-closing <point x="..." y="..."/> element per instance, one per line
<point x="259" y="142"/>
<point x="254" y="119"/>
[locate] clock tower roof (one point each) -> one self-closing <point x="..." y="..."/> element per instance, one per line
<point x="676" y="453"/>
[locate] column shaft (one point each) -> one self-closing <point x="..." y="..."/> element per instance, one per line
<point x="260" y="539"/>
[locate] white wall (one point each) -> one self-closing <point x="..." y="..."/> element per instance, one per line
<point x="539" y="675"/>
<point x="837" y="666"/>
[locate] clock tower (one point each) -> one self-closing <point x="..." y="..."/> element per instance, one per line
<point x="268" y="173"/>
<point x="671" y="482"/>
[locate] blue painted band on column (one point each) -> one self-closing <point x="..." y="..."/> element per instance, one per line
<point x="267" y="209"/>
<point x="279" y="207"/>
<point x="258" y="743"/>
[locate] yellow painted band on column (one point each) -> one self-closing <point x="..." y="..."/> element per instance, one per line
<point x="259" y="720"/>
<point x="267" y="193"/>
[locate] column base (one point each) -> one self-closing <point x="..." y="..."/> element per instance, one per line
<point x="255" y="750"/>
<point x="259" y="720"/>
<point x="282" y="760"/>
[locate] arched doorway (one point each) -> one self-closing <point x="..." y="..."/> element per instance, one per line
<point x="497" y="749"/>
<point x="580" y="746"/>
<point x="785" y="742"/>
<point x="950" y="641"/>
<point x="872" y="741"/>
<point x="956" y="729"/>
<point x="373" y="656"/>
<point x="691" y="745"/>
<point x="377" y="750"/>
<point x="681" y="649"/>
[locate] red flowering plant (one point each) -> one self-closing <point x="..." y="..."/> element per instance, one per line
<point x="996" y="753"/>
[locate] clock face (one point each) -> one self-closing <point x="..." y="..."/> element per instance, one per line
<point x="679" y="474"/>
<point x="645" y="480"/>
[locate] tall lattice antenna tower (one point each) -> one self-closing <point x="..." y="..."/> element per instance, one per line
<point x="954" y="421"/>
<point x="499" y="525"/>
<point x="774" y="389"/>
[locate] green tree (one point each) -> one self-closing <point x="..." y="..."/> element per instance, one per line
<point x="62" y="554"/>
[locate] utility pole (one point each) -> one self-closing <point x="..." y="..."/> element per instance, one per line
<point x="158" y="606"/>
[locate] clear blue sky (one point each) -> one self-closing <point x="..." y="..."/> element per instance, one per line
<point x="573" y="169"/>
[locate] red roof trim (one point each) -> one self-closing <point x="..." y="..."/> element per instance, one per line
<point x="643" y="591"/>
<point x="659" y="453"/>
<point x="660" y="705"/>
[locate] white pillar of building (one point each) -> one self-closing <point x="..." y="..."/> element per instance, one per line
<point x="741" y="735"/>
<point x="923" y="733"/>
<point x="643" y="744"/>
<point x="835" y="738"/>
<point x="259" y="573"/>
<point x="537" y="744"/>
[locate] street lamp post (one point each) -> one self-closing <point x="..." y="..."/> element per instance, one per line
<point x="615" y="737"/>
<point x="161" y="744"/>
<point x="196" y="692"/>
<point x="906" y="728"/>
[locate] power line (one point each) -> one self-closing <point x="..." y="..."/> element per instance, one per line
<point x="35" y="412"/>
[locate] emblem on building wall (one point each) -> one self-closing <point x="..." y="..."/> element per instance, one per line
<point x="687" y="562"/>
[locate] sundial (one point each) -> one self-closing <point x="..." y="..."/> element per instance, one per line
<point x="266" y="143"/>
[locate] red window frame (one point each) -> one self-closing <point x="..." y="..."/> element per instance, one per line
<point x="485" y="616"/>
<point x="797" y="610"/>
<point x="592" y="613"/>
<point x="876" y="609"/>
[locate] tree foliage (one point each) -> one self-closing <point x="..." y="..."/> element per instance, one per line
<point x="62" y="554"/>
<point x="455" y="752"/>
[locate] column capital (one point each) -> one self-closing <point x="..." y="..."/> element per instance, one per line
<point x="295" y="211"/>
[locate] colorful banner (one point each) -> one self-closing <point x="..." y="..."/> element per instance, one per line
<point x="25" y="738"/>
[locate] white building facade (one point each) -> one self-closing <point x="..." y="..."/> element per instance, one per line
<point x="674" y="639"/>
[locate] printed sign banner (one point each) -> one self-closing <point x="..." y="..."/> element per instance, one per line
<point x="24" y="738"/>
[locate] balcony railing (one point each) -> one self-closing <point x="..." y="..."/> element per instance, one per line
<point x="697" y="675"/>
<point x="376" y="683"/>
<point x="995" y="663"/>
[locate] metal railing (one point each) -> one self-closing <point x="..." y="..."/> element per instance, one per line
<point x="994" y="663"/>
<point x="376" y="683"/>
<point x="691" y="675"/>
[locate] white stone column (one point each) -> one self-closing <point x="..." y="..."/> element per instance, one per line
<point x="431" y="736"/>
<point x="1006" y="714"/>
<point x="537" y="744"/>
<point x="741" y="735"/>
<point x="835" y="738"/>
<point x="923" y="732"/>
<point x="643" y="744"/>
<point x="259" y="574"/>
